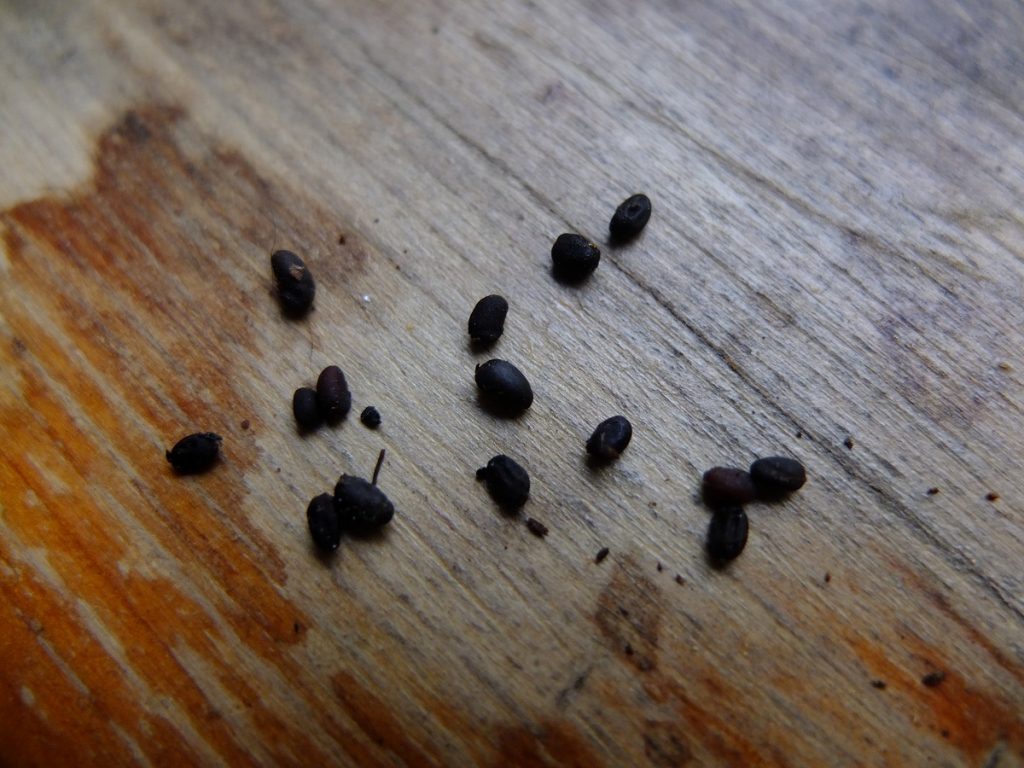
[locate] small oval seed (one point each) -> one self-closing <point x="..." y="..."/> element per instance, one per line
<point x="727" y="534"/>
<point x="362" y="507"/>
<point x="573" y="258"/>
<point x="507" y="482"/>
<point x="487" y="320"/>
<point x="630" y="218"/>
<point x="295" y="285"/>
<point x="610" y="438"/>
<point x="332" y="395"/>
<point x="305" y="409"/>
<point x="370" y="417"/>
<point x="194" y="453"/>
<point x="324" y="525"/>
<point x="503" y="388"/>
<point x="727" y="486"/>
<point x="775" y="476"/>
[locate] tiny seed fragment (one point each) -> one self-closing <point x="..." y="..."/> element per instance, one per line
<point x="537" y="528"/>
<point x="573" y="258"/>
<point x="610" y="438"/>
<point x="324" y="524"/>
<point x="933" y="679"/>
<point x="630" y="218"/>
<point x="727" y="534"/>
<point x="727" y="486"/>
<point x="305" y="409"/>
<point x="295" y="285"/>
<point x="776" y="476"/>
<point x="504" y="390"/>
<point x="332" y="395"/>
<point x="487" y="320"/>
<point x="195" y="453"/>
<point x="370" y="417"/>
<point x="602" y="553"/>
<point x="507" y="482"/>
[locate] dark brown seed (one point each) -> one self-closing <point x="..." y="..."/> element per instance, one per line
<point x="848" y="442"/>
<point x="573" y="258"/>
<point x="727" y="486"/>
<point x="504" y="389"/>
<point x="536" y="527"/>
<point x="630" y="218"/>
<point x="370" y="417"/>
<point x="195" y="453"/>
<point x="610" y="438"/>
<point x="602" y="553"/>
<point x="362" y="507"/>
<point x="507" y="482"/>
<point x="324" y="525"/>
<point x="295" y="285"/>
<point x="304" y="406"/>
<point x="332" y="395"/>
<point x="487" y="320"/>
<point x="879" y="684"/>
<point x="727" y="534"/>
<point x="932" y="491"/>
<point x="933" y="679"/>
<point x="992" y="496"/>
<point x="680" y="580"/>
<point x="775" y="476"/>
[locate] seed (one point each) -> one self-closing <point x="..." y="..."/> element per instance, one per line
<point x="879" y="684"/>
<point x="195" y="453"/>
<point x="324" y="524"/>
<point x="630" y="218"/>
<point x="933" y="679"/>
<point x="507" y="482"/>
<point x="332" y="395"/>
<point x="727" y="486"/>
<point x="307" y="413"/>
<point x="487" y="320"/>
<point x="776" y="476"/>
<point x="602" y="553"/>
<point x="503" y="387"/>
<point x="370" y="417"/>
<point x="536" y="527"/>
<point x="573" y="258"/>
<point x="362" y="507"/>
<point x="727" y="534"/>
<point x="610" y="438"/>
<point x="295" y="285"/>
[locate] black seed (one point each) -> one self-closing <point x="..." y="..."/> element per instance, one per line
<point x="727" y="486"/>
<point x="487" y="320"/>
<point x="573" y="258"/>
<point x="727" y="534"/>
<point x="507" y="482"/>
<point x="195" y="453"/>
<point x="602" y="553"/>
<point x="536" y="527"/>
<point x="307" y="413"/>
<point x="362" y="506"/>
<point x="630" y="218"/>
<point x="370" y="417"/>
<point x="933" y="679"/>
<point x="295" y="286"/>
<point x="332" y="395"/>
<point x="324" y="525"/>
<point x="504" y="389"/>
<point x="775" y="476"/>
<point x="610" y="438"/>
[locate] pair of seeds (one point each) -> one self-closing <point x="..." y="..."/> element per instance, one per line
<point x="574" y="257"/>
<point x="727" y="489"/>
<point x="330" y="402"/>
<point x="357" y="507"/>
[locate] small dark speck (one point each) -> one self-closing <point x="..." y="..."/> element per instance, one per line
<point x="341" y="239"/>
<point x="623" y="612"/>
<point x="628" y="649"/>
<point x="945" y="733"/>
<point x="652" y="504"/>
<point x="799" y="434"/>
<point x="828" y="577"/>
<point x="602" y="553"/>
<point x="933" y="679"/>
<point x="848" y="442"/>
<point x="660" y="568"/>
<point x="297" y="627"/>
<point x="536" y="527"/>
<point x="879" y="684"/>
<point x="435" y="30"/>
<point x="932" y="491"/>
<point x="245" y="424"/>
<point x="992" y="496"/>
<point x="680" y="580"/>
<point x="376" y="221"/>
<point x="19" y="347"/>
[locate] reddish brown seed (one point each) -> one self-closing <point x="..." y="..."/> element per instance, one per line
<point x="725" y="486"/>
<point x="332" y="395"/>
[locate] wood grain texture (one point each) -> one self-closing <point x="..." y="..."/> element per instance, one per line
<point x="836" y="251"/>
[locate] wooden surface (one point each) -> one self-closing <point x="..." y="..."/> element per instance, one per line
<point x="836" y="251"/>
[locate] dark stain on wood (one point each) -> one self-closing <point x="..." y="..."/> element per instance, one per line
<point x="546" y="744"/>
<point x="665" y="745"/>
<point x="629" y="614"/>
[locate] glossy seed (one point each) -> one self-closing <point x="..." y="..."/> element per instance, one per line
<point x="610" y="438"/>
<point x="727" y="534"/>
<point x="775" y="476"/>
<point x="305" y="409"/>
<point x="727" y="486"/>
<point x="370" y="417"/>
<point x="324" y="524"/>
<point x="487" y="320"/>
<point x="507" y="482"/>
<point x="573" y="258"/>
<point x="295" y="285"/>
<point x="362" y="506"/>
<point x="503" y="388"/>
<point x="630" y="218"/>
<point x="332" y="395"/>
<point x="195" y="453"/>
